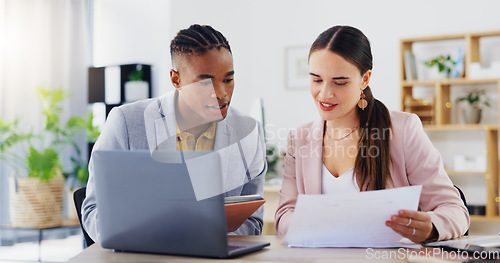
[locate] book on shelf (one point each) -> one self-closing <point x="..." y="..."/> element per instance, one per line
<point x="458" y="66"/>
<point x="410" y="66"/>
<point x="240" y="208"/>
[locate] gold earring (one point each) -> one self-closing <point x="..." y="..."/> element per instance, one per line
<point x="362" y="103"/>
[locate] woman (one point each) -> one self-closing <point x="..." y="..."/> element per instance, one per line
<point x="358" y="145"/>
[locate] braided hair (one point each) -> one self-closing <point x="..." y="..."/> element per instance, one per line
<point x="196" y="40"/>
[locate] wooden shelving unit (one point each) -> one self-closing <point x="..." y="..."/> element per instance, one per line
<point x="461" y="173"/>
<point x="485" y="218"/>
<point x="460" y="127"/>
<point x="440" y="121"/>
<point x="271" y="195"/>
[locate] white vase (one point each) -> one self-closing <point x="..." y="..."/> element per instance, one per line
<point x="136" y="90"/>
<point x="472" y="115"/>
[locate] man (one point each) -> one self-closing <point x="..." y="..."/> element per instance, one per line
<point x="195" y="116"/>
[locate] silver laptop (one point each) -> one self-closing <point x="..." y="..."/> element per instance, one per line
<point x="151" y="206"/>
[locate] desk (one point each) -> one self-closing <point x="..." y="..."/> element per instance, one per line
<point x="276" y="252"/>
<point x="66" y="224"/>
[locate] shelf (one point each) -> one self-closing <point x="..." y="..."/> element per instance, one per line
<point x="450" y="37"/>
<point x="418" y="104"/>
<point x="461" y="127"/>
<point x="443" y="109"/>
<point x="465" y="173"/>
<point x="486" y="34"/>
<point x="484" y="218"/>
<point x="444" y="82"/>
<point x="433" y="38"/>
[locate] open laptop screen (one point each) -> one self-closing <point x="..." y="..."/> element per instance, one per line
<point x="150" y="206"/>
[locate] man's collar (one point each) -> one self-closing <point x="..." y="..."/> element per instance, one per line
<point x="209" y="133"/>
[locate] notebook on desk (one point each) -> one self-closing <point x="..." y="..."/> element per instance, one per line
<point x="150" y="206"/>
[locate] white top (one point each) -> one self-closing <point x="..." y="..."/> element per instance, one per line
<point x="345" y="183"/>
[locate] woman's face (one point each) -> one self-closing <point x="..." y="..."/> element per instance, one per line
<point x="336" y="84"/>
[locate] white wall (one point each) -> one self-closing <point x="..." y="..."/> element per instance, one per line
<point x="259" y="31"/>
<point x="127" y="32"/>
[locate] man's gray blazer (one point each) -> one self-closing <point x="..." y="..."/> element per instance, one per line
<point x="150" y="124"/>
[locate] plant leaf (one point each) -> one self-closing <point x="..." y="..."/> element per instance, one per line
<point x="43" y="165"/>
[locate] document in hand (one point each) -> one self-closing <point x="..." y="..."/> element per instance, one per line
<point x="350" y="220"/>
<point x="240" y="208"/>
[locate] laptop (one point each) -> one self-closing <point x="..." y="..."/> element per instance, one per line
<point x="481" y="245"/>
<point x="150" y="206"/>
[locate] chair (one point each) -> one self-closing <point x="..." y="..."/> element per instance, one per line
<point x="462" y="196"/>
<point x="78" y="197"/>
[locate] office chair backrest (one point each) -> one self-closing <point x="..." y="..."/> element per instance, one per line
<point x="78" y="197"/>
<point x="462" y="196"/>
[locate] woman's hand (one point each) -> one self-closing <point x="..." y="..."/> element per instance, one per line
<point x="414" y="225"/>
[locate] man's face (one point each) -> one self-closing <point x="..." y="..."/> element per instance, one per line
<point x="205" y="83"/>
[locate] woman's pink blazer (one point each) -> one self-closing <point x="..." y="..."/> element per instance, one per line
<point x="415" y="161"/>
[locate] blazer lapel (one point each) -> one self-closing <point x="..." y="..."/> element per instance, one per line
<point x="230" y="155"/>
<point x="222" y="145"/>
<point x="313" y="159"/>
<point x="165" y="132"/>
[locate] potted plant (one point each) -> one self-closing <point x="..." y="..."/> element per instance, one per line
<point x="78" y="176"/>
<point x="476" y="100"/>
<point x="274" y="164"/>
<point x="36" y="189"/>
<point x="79" y="127"/>
<point x="135" y="87"/>
<point x="443" y="63"/>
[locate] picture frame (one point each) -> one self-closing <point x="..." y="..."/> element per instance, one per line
<point x="296" y="67"/>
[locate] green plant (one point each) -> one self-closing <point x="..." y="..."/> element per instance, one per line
<point x="75" y="126"/>
<point x="10" y="137"/>
<point x="43" y="164"/>
<point x="36" y="155"/>
<point x="475" y="98"/>
<point x="444" y="63"/>
<point x="272" y="157"/>
<point x="135" y="75"/>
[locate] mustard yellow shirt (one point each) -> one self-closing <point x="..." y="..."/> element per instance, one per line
<point x="187" y="142"/>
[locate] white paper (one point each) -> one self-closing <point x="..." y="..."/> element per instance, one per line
<point x="351" y="220"/>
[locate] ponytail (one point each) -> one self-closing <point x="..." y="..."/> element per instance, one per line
<point x="373" y="160"/>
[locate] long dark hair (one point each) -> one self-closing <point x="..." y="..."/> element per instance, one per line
<point x="373" y="159"/>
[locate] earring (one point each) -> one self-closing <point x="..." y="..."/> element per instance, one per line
<point x="362" y="103"/>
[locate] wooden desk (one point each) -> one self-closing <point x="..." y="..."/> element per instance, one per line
<point x="277" y="252"/>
